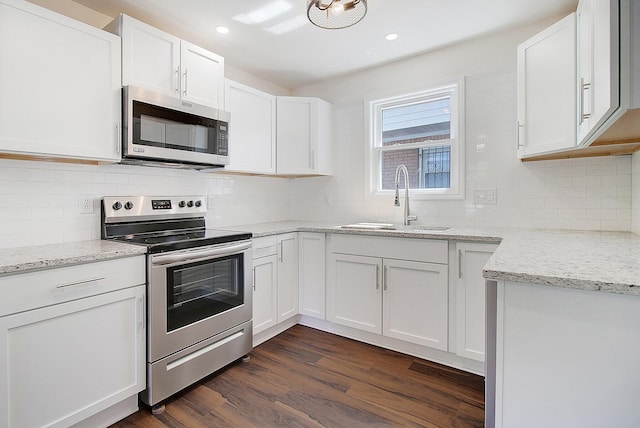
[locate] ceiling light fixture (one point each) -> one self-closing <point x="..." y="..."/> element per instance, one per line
<point x="391" y="36"/>
<point x="222" y="30"/>
<point x="335" y="14"/>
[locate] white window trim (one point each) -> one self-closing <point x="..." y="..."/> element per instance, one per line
<point x="372" y="119"/>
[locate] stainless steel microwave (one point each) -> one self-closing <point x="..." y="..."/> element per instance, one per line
<point x="161" y="130"/>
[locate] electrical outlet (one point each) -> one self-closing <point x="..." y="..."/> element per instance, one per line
<point x="485" y="196"/>
<point x="86" y="205"/>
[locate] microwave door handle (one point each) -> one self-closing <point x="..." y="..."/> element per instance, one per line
<point x="200" y="254"/>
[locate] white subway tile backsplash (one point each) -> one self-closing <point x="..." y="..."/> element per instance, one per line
<point x="40" y="199"/>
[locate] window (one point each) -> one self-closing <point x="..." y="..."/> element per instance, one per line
<point x="421" y="131"/>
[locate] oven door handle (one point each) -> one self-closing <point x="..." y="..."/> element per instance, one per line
<point x="226" y="250"/>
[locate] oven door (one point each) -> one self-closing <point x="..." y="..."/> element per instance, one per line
<point x="195" y="294"/>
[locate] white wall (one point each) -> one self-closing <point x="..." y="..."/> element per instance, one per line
<point x="40" y="200"/>
<point x="579" y="194"/>
<point x="635" y="212"/>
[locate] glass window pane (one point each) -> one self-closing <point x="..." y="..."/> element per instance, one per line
<point x="428" y="120"/>
<point x="435" y="167"/>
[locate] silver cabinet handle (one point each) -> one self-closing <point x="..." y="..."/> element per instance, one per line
<point x="118" y="138"/>
<point x="281" y="253"/>
<point x="141" y="305"/>
<point x="583" y="88"/>
<point x="77" y="283"/>
<point x="178" y="80"/>
<point x="384" y="278"/>
<point x="254" y="278"/>
<point x="377" y="277"/>
<point x="185" y="81"/>
<point x="459" y="263"/>
<point x="313" y="159"/>
<point x="518" y="144"/>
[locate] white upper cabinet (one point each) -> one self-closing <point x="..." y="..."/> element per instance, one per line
<point x="303" y="136"/>
<point x="598" y="64"/>
<point x="547" y="90"/>
<point x="60" y="86"/>
<point x="159" y="61"/>
<point x="252" y="134"/>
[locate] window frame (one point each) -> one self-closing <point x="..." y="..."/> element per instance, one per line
<point x="374" y="148"/>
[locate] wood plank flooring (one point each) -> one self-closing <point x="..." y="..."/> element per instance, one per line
<point x="308" y="378"/>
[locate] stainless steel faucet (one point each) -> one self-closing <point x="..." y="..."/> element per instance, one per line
<point x="406" y="218"/>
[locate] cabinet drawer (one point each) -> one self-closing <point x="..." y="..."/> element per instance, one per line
<point x="264" y="246"/>
<point x="417" y="249"/>
<point x="33" y="290"/>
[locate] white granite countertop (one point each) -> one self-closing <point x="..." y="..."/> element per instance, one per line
<point x="600" y="261"/>
<point x="19" y="260"/>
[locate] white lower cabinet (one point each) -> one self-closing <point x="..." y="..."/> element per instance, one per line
<point x="275" y="280"/>
<point x="265" y="293"/>
<point x="77" y="354"/>
<point x="287" y="276"/>
<point x="415" y="302"/>
<point x="402" y="299"/>
<point x="312" y="274"/>
<point x="470" y="299"/>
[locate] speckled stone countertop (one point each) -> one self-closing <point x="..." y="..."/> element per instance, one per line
<point x="23" y="259"/>
<point x="599" y="261"/>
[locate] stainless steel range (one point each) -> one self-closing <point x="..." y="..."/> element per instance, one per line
<point x="199" y="288"/>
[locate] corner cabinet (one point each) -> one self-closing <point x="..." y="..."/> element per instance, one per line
<point x="304" y="136"/>
<point x="390" y="286"/>
<point x="60" y="86"/>
<point x="252" y="134"/>
<point x="159" y="61"/>
<point x="72" y="342"/>
<point x="546" y="90"/>
<point x="470" y="299"/>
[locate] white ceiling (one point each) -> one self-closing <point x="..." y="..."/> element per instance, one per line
<point x="307" y="54"/>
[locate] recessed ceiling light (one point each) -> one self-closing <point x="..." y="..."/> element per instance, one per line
<point x="391" y="36"/>
<point x="222" y="30"/>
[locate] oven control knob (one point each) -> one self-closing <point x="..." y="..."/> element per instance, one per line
<point x="117" y="206"/>
<point x="182" y="204"/>
<point x="190" y="204"/>
<point x="128" y="205"/>
<point x="198" y="204"/>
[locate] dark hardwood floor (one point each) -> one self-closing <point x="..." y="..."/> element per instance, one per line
<point x="308" y="378"/>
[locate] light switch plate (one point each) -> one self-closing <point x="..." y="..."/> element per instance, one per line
<point x="485" y="196"/>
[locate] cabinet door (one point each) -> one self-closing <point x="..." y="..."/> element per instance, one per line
<point x="202" y="75"/>
<point x="470" y="299"/>
<point x="547" y="90"/>
<point x="60" y="84"/>
<point x="150" y="57"/>
<point x="354" y="292"/>
<point x="252" y="135"/>
<point x="415" y="302"/>
<point x="265" y="297"/>
<point x="312" y="274"/>
<point x="287" y="276"/>
<point x="296" y="135"/>
<point x="63" y="363"/>
<point x="598" y="64"/>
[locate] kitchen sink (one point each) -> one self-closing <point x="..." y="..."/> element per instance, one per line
<point x="431" y="228"/>
<point x="369" y="226"/>
<point x="391" y="226"/>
